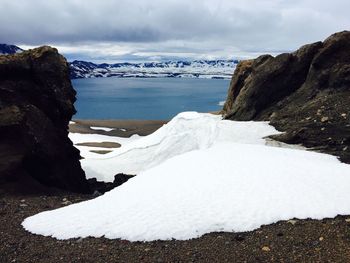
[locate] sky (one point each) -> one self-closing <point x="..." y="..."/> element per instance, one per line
<point x="156" y="30"/>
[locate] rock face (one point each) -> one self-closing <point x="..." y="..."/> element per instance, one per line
<point x="36" y="105"/>
<point x="305" y="93"/>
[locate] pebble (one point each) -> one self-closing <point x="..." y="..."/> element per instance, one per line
<point x="147" y="249"/>
<point x="321" y="238"/>
<point x="23" y="205"/>
<point x="315" y="243"/>
<point x="343" y="115"/>
<point x="347" y="220"/>
<point x="292" y="221"/>
<point x="324" y="119"/>
<point x="239" y="238"/>
<point x="96" y="193"/>
<point x="266" y="249"/>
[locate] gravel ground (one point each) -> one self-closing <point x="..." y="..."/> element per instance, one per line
<point x="293" y="241"/>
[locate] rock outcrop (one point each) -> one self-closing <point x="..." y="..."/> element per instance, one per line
<point x="305" y="93"/>
<point x="36" y="105"/>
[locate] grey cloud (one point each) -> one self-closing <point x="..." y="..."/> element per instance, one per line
<point x="172" y="26"/>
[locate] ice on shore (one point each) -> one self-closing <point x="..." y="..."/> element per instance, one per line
<point x="186" y="132"/>
<point x="82" y="138"/>
<point x="96" y="128"/>
<point x="227" y="187"/>
<point x="85" y="151"/>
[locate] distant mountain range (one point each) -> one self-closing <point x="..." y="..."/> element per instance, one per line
<point x="170" y="69"/>
<point x="9" y="49"/>
<point x="179" y="69"/>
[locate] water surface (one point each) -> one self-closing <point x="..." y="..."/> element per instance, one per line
<point x="146" y="98"/>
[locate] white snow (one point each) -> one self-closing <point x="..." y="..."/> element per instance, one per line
<point x="228" y="187"/>
<point x="102" y="128"/>
<point x="200" y="174"/>
<point x="186" y="132"/>
<point x="81" y="138"/>
<point x="193" y="69"/>
<point x="85" y="150"/>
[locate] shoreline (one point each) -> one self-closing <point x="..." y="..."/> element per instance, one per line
<point x="120" y="128"/>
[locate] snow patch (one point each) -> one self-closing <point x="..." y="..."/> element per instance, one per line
<point x="228" y="187"/>
<point x="186" y="132"/>
<point x="210" y="69"/>
<point x="85" y="150"/>
<point x="102" y="128"/>
<point x="81" y="138"/>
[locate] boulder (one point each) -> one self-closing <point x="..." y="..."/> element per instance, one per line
<point x="306" y="94"/>
<point x="36" y="105"/>
<point x="102" y="187"/>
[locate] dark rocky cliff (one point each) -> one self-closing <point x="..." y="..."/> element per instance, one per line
<point x="305" y="93"/>
<point x="36" y="105"/>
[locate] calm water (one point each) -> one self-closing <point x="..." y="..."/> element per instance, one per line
<point x="148" y="98"/>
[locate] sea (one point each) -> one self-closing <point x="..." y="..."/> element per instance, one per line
<point x="147" y="98"/>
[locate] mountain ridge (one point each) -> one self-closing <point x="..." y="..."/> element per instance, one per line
<point x="6" y="49"/>
<point x="213" y="69"/>
<point x="181" y="68"/>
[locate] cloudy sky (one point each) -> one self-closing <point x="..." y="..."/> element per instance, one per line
<point x="131" y="30"/>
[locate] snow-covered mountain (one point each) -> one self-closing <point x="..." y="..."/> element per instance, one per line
<point x="179" y="69"/>
<point x="9" y="49"/>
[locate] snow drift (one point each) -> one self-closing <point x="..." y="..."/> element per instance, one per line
<point x="186" y="132"/>
<point x="228" y="187"/>
<point x="212" y="184"/>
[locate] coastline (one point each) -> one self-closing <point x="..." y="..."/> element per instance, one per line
<point x="120" y="128"/>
